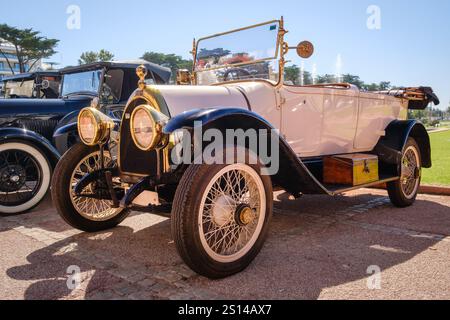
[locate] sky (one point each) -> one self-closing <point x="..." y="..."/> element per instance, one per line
<point x="407" y="43"/>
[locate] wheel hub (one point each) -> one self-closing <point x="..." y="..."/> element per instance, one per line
<point x="222" y="211"/>
<point x="410" y="175"/>
<point x="244" y="215"/>
<point x="12" y="178"/>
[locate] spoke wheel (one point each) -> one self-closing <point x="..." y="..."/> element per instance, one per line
<point x="232" y="213"/>
<point x="411" y="172"/>
<point x="221" y="216"/>
<point x="20" y="177"/>
<point x="84" y="213"/>
<point x="403" y="192"/>
<point x="24" y="177"/>
<point x="91" y="208"/>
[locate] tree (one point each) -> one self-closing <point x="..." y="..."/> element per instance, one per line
<point x="326" y="78"/>
<point x="384" y="85"/>
<point x="171" y="61"/>
<point x="307" y="78"/>
<point x="105" y="55"/>
<point x="92" y="56"/>
<point x="29" y="46"/>
<point x="292" y="73"/>
<point x="371" y="87"/>
<point x="352" y="79"/>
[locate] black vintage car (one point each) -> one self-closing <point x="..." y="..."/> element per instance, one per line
<point x="34" y="85"/>
<point x="34" y="133"/>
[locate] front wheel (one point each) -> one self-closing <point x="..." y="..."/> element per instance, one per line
<point x="220" y="217"/>
<point x="88" y="214"/>
<point x="403" y="192"/>
<point x="24" y="177"/>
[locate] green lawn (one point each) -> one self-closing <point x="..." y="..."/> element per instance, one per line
<point x="439" y="174"/>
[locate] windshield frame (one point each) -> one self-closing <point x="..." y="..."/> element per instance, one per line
<point x="279" y="52"/>
<point x="89" y="93"/>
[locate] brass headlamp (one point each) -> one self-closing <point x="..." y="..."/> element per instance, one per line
<point x="146" y="126"/>
<point x="94" y="127"/>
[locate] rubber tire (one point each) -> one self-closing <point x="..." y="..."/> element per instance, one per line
<point x="185" y="229"/>
<point x="46" y="169"/>
<point x="61" y="196"/>
<point x="394" y="188"/>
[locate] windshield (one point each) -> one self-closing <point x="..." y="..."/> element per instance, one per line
<point x="248" y="53"/>
<point x="83" y="82"/>
<point x="16" y="89"/>
<point x="112" y="87"/>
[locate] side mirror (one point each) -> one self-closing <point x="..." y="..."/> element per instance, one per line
<point x="183" y="77"/>
<point x="305" y="49"/>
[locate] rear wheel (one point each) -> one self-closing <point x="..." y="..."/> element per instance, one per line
<point x="403" y="192"/>
<point x="220" y="217"/>
<point x="24" y="177"/>
<point x="84" y="213"/>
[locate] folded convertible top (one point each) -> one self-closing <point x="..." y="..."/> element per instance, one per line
<point x="419" y="97"/>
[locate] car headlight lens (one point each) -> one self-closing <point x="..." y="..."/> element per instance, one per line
<point x="143" y="127"/>
<point x="93" y="126"/>
<point x="146" y="127"/>
<point x="87" y="127"/>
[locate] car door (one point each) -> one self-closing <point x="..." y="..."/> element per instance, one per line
<point x="340" y="119"/>
<point x="302" y="118"/>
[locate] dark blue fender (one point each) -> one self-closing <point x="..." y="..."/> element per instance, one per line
<point x="69" y="118"/>
<point x="292" y="175"/>
<point x="67" y="136"/>
<point x="18" y="134"/>
<point x="390" y="147"/>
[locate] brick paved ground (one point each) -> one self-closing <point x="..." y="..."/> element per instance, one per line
<point x="318" y="248"/>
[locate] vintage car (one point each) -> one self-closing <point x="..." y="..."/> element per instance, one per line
<point x="36" y="85"/>
<point x="34" y="133"/>
<point x="319" y="139"/>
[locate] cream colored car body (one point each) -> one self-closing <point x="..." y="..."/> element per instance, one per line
<point x="315" y="121"/>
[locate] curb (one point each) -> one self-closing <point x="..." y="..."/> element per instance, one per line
<point x="426" y="189"/>
<point x="438" y="130"/>
<point x="437" y="190"/>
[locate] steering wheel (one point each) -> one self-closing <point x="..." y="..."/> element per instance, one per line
<point x="236" y="74"/>
<point x="106" y="93"/>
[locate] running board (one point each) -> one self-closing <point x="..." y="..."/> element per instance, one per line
<point x="367" y="185"/>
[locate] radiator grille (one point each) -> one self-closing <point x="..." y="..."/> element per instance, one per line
<point x="132" y="159"/>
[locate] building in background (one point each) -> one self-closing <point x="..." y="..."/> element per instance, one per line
<point x="10" y="53"/>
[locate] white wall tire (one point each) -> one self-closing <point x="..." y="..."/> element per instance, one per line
<point x="193" y="219"/>
<point x="42" y="165"/>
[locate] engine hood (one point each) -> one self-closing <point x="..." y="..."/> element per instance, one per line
<point x="23" y="107"/>
<point x="179" y="99"/>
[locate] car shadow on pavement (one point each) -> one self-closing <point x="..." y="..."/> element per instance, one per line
<point x="106" y="261"/>
<point x="317" y="243"/>
<point x="309" y="249"/>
